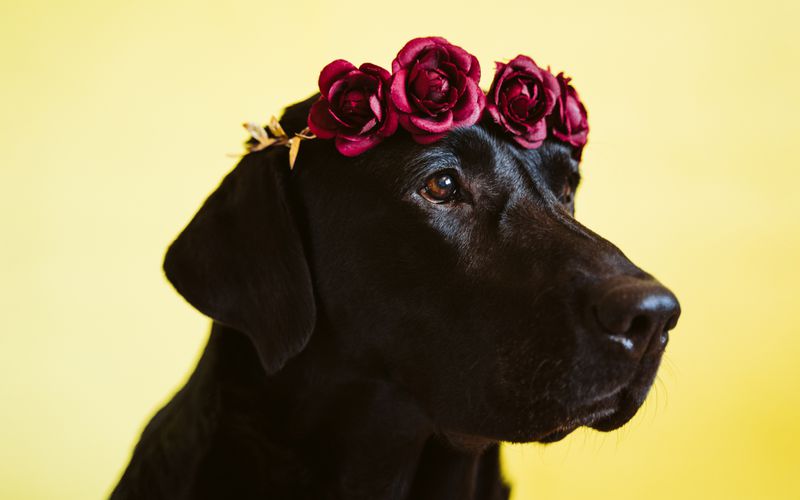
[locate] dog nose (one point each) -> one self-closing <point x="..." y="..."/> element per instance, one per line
<point x="637" y="314"/>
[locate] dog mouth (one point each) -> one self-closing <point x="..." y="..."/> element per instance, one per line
<point x="607" y="415"/>
<point x="612" y="411"/>
<point x="616" y="419"/>
<point x="590" y="420"/>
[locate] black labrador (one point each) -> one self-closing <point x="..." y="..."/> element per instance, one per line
<point x="381" y="323"/>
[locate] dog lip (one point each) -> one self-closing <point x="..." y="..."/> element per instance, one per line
<point x="564" y="430"/>
<point x="616" y="419"/>
<point x="615" y="408"/>
<point x="597" y="415"/>
<point x="627" y="403"/>
<point x="555" y="436"/>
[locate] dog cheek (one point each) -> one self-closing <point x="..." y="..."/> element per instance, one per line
<point x="527" y="376"/>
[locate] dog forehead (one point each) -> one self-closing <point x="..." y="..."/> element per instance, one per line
<point x="498" y="161"/>
<point x="478" y="150"/>
<point x="485" y="159"/>
<point x="473" y="150"/>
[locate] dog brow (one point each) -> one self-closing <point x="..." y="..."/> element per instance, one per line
<point x="424" y="163"/>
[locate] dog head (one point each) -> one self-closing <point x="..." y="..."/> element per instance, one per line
<point x="455" y="269"/>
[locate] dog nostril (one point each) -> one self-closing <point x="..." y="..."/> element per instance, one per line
<point x="639" y="326"/>
<point x="632" y="312"/>
<point x="630" y="337"/>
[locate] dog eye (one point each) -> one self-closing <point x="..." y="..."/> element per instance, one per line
<point x="568" y="189"/>
<point x="440" y="188"/>
<point x="566" y="194"/>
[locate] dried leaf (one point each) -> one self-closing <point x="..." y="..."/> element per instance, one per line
<point x="275" y="128"/>
<point x="257" y="132"/>
<point x="294" y="148"/>
<point x="276" y="136"/>
<point x="261" y="145"/>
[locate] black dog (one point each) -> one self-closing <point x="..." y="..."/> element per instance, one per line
<point x="382" y="323"/>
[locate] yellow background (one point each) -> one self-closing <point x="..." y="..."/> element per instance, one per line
<point x="116" y="119"/>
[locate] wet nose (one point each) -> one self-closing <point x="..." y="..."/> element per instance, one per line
<point x="637" y="314"/>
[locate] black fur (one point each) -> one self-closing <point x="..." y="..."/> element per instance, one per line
<point x="369" y="344"/>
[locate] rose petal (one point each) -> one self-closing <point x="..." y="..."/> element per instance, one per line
<point x="397" y="92"/>
<point x="368" y="126"/>
<point x="575" y="139"/>
<point x="355" y="146"/>
<point x="341" y="121"/>
<point x="552" y="91"/>
<point x="389" y="124"/>
<point x="450" y="71"/>
<point x="469" y="108"/>
<point x="432" y="58"/>
<point x="518" y="108"/>
<point x="420" y="86"/>
<point x="514" y="87"/>
<point x="434" y="108"/>
<point x="534" y="137"/>
<point x="524" y="63"/>
<point x="426" y="138"/>
<point x="335" y="89"/>
<point x="527" y="144"/>
<point x="460" y="82"/>
<point x="320" y="121"/>
<point x="331" y="73"/>
<point x="495" y="114"/>
<point x="412" y="48"/>
<point x="573" y="112"/>
<point x="460" y="58"/>
<point x="442" y="124"/>
<point x="372" y="69"/>
<point x="568" y="121"/>
<point x="376" y="106"/>
<point x="474" y="69"/>
<point x="494" y="90"/>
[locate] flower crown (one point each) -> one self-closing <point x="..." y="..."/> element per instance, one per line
<point x="433" y="88"/>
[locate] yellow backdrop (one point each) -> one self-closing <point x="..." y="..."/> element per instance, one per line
<point x="116" y="120"/>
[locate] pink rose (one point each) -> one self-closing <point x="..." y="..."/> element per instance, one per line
<point x="568" y="122"/>
<point x="435" y="87"/>
<point x="353" y="107"/>
<point x="520" y="98"/>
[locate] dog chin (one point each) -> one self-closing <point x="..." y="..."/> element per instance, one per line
<point x="610" y="413"/>
<point x="629" y="403"/>
<point x="588" y="420"/>
<point x="631" y="398"/>
<point x="555" y="436"/>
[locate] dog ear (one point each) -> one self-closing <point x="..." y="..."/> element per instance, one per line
<point x="241" y="262"/>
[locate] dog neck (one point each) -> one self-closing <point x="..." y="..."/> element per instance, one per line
<point x="234" y="430"/>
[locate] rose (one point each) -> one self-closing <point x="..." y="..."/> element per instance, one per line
<point x="435" y="87"/>
<point x="520" y="98"/>
<point x="568" y="122"/>
<point x="353" y="107"/>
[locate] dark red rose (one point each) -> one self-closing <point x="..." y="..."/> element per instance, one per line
<point x="520" y="98"/>
<point x="353" y="107"/>
<point x="435" y="87"/>
<point x="568" y="122"/>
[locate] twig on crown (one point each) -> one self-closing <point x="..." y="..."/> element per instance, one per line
<point x="276" y="136"/>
